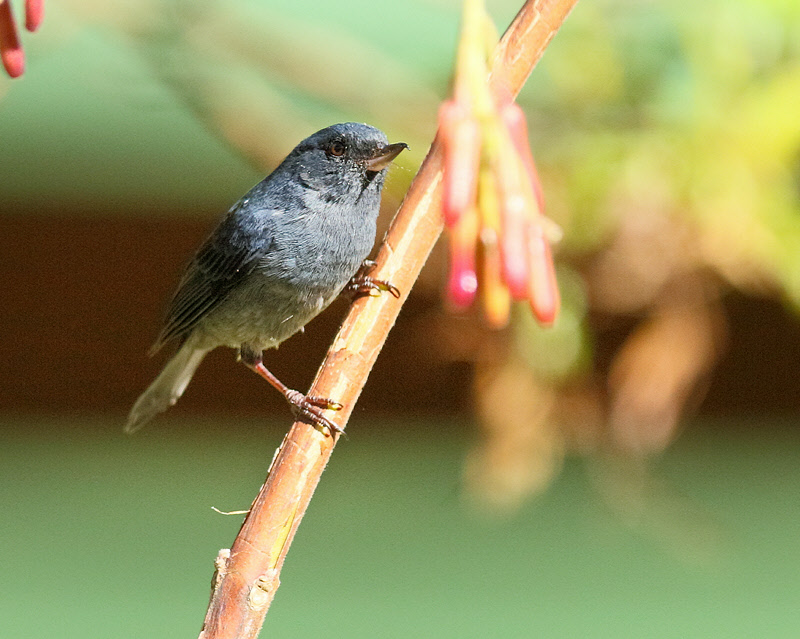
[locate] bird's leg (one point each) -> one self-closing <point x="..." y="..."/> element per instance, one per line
<point x="306" y="407"/>
<point x="362" y="284"/>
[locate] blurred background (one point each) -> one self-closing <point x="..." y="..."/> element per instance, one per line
<point x="631" y="472"/>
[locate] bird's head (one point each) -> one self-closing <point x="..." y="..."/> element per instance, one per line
<point x="343" y="162"/>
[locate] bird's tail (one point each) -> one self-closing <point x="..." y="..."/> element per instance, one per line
<point x="167" y="387"/>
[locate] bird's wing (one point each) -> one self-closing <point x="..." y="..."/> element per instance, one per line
<point x="226" y="258"/>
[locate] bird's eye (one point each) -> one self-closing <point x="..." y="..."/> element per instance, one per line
<point x="336" y="148"/>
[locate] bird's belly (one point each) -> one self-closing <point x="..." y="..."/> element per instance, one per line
<point x="262" y="314"/>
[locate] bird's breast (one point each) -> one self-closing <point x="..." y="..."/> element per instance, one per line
<point x="301" y="274"/>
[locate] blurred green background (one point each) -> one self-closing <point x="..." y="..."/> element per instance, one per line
<point x="631" y="473"/>
<point x="110" y="537"/>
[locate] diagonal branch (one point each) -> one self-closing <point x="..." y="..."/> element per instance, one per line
<point x="248" y="576"/>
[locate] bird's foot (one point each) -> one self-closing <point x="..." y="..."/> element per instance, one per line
<point x="308" y="408"/>
<point x="362" y="284"/>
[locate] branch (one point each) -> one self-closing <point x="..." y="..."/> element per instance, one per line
<point x="246" y="580"/>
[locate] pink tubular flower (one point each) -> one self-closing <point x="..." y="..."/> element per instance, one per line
<point x="514" y="207"/>
<point x="463" y="281"/>
<point x="514" y="119"/>
<point x="461" y="135"/>
<point x="34" y="14"/>
<point x="544" y="297"/>
<point x="10" y="46"/>
<point x="11" y="53"/>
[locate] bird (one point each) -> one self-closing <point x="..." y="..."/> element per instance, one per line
<point x="277" y="259"/>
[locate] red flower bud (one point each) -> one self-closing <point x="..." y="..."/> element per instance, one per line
<point x="462" y="286"/>
<point x="545" y="300"/>
<point x="463" y="281"/>
<point x="10" y="47"/>
<point x="461" y="137"/>
<point x="514" y="119"/>
<point x="514" y="217"/>
<point x="514" y="246"/>
<point x="34" y="14"/>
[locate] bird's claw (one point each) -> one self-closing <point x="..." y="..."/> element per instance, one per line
<point x="308" y="408"/>
<point x="362" y="284"/>
<point x="324" y="402"/>
<point x="365" y="285"/>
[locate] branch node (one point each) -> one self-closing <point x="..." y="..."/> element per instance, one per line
<point x="263" y="589"/>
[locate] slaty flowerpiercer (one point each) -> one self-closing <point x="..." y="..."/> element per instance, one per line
<point x="279" y="257"/>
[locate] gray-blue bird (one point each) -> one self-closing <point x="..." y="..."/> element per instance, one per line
<point x="280" y="256"/>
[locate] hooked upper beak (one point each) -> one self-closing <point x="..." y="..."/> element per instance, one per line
<point x="384" y="156"/>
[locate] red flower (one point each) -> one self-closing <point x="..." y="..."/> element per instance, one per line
<point x="492" y="199"/>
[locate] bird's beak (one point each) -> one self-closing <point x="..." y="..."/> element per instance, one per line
<point x="384" y="156"/>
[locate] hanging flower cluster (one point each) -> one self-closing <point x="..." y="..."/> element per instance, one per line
<point x="11" y="52"/>
<point x="492" y="199"/>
